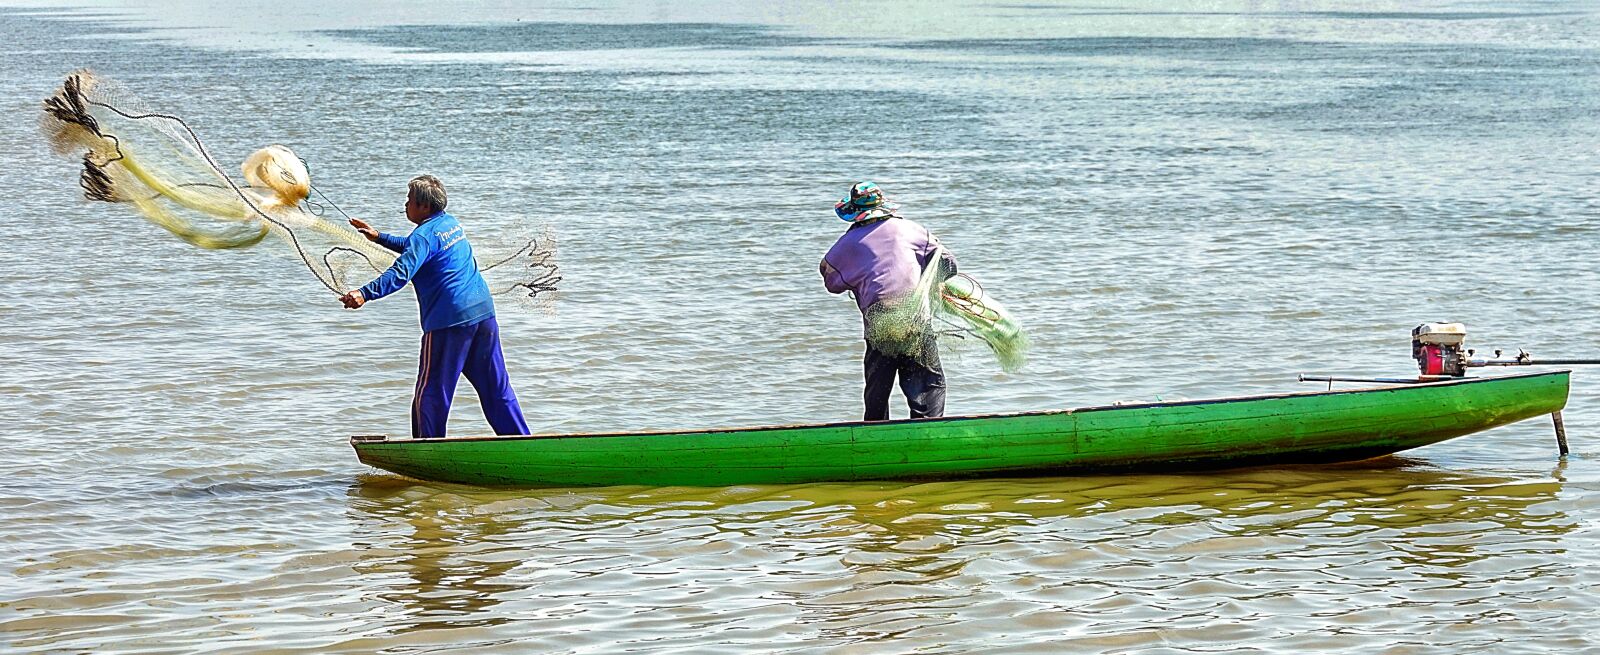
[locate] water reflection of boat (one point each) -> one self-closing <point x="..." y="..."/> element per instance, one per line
<point x="455" y="557"/>
<point x="422" y="537"/>
<point x="1324" y="426"/>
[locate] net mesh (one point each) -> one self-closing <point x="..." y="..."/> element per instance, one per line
<point x="945" y="304"/>
<point x="155" y="164"/>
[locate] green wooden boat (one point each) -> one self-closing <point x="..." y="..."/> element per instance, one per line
<point x="1294" y="428"/>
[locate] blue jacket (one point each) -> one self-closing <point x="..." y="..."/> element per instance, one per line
<point x="438" y="259"/>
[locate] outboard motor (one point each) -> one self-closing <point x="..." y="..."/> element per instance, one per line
<point x="1440" y="357"/>
<point x="1437" y="348"/>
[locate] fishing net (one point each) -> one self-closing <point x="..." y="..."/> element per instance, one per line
<point x="155" y="164"/>
<point x="950" y="305"/>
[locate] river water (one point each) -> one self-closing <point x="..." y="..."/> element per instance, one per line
<point x="1200" y="201"/>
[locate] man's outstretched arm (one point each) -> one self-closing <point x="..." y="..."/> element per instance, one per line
<point x="416" y="250"/>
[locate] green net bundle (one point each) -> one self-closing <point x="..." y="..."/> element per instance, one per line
<point x="153" y="163"/>
<point x="947" y="304"/>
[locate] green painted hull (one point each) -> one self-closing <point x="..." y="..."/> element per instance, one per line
<point x="1326" y="426"/>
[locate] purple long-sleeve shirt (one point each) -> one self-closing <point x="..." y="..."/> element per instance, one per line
<point x="881" y="259"/>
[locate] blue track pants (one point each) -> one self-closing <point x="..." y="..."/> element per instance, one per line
<point x="473" y="350"/>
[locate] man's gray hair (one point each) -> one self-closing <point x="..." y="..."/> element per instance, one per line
<point x="428" y="192"/>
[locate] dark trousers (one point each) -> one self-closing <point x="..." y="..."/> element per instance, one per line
<point x="473" y="350"/>
<point x="921" y="380"/>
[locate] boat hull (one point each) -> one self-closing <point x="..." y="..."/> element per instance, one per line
<point x="1327" y="426"/>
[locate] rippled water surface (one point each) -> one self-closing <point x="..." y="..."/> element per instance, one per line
<point x="1203" y="200"/>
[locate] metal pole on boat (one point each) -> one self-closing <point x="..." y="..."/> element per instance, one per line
<point x="1561" y="432"/>
<point x="1340" y="378"/>
<point x="1523" y="359"/>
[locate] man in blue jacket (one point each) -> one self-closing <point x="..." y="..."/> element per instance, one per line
<point x="459" y="333"/>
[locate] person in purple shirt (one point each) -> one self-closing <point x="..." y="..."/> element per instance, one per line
<point x="881" y="257"/>
<point x="459" y="332"/>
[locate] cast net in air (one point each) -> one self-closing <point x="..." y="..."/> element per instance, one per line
<point x="945" y="304"/>
<point x="155" y="164"/>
